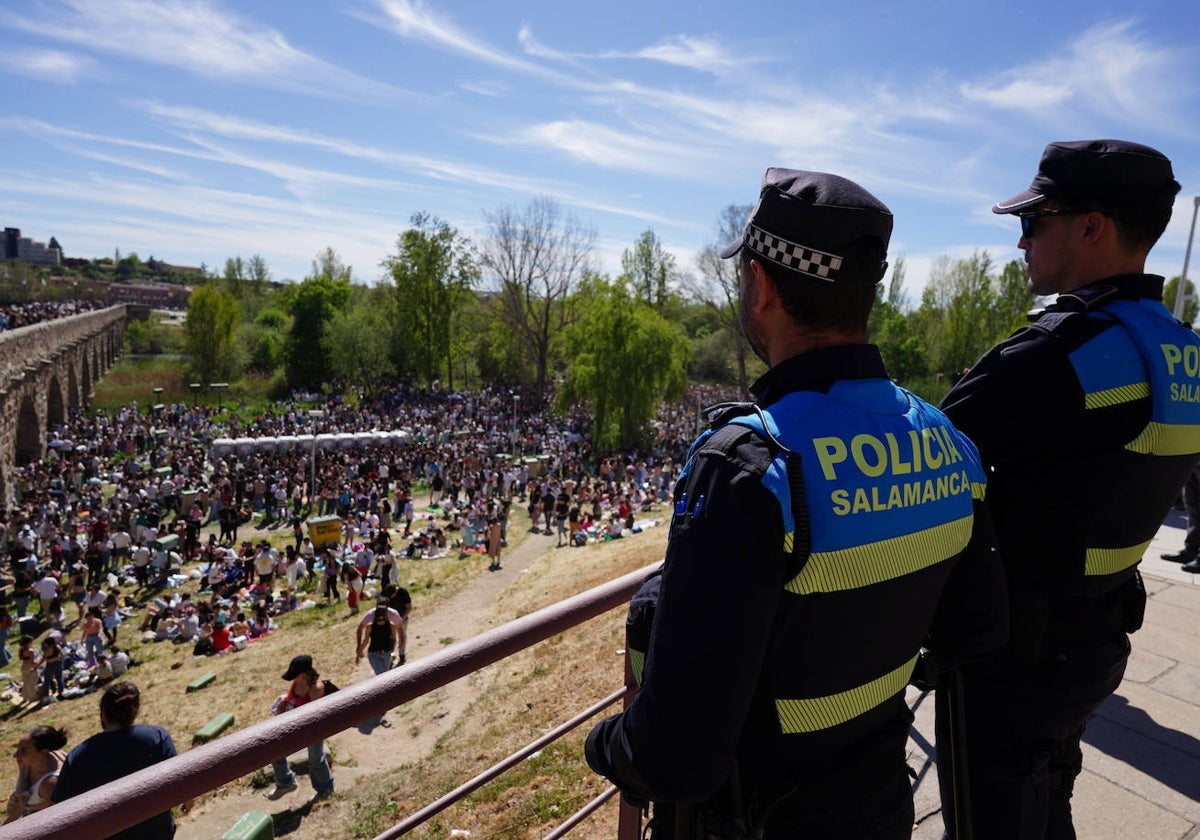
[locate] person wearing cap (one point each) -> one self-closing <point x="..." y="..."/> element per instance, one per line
<point x="1089" y="422"/>
<point x="830" y="521"/>
<point x="306" y="686"/>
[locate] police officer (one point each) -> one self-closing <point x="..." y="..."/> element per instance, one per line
<point x="1089" y="421"/>
<point x="816" y="535"/>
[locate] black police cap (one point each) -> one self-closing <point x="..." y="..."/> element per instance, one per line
<point x="805" y="221"/>
<point x="1108" y="173"/>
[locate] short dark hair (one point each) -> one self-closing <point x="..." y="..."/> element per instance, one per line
<point x="120" y="704"/>
<point x="845" y="304"/>
<point x="1138" y="227"/>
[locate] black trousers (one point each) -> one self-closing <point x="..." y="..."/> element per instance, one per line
<point x="1024" y="722"/>
<point x="1191" y="503"/>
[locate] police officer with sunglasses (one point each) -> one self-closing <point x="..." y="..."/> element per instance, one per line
<point x="1089" y="422"/>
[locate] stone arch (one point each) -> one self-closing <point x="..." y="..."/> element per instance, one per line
<point x="29" y="432"/>
<point x="85" y="379"/>
<point x="56" y="413"/>
<point x="72" y="389"/>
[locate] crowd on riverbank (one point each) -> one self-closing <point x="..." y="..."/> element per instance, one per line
<point x="108" y="521"/>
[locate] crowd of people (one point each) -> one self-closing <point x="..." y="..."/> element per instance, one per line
<point x="112" y="524"/>
<point x="14" y="315"/>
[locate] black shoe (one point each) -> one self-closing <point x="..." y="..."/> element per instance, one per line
<point x="1184" y="556"/>
<point x="1192" y="566"/>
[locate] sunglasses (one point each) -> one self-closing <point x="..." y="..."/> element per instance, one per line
<point x="1029" y="220"/>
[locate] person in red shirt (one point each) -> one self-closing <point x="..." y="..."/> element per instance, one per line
<point x="306" y="687"/>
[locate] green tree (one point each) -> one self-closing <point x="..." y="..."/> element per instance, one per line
<point x="313" y="304"/>
<point x="329" y="264"/>
<point x="626" y="359"/>
<point x="717" y="284"/>
<point x="650" y="269"/>
<point x="1190" y="306"/>
<point x="257" y="270"/>
<point x="956" y="319"/>
<point x="1013" y="300"/>
<point x="129" y="268"/>
<point x="434" y="269"/>
<point x="235" y="276"/>
<point x="357" y="342"/>
<point x="210" y="326"/>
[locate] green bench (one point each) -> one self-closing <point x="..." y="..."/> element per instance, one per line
<point x="252" y="826"/>
<point x="201" y="682"/>
<point x="213" y="728"/>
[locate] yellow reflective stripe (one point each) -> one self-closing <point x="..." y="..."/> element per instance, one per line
<point x="789" y="542"/>
<point x="637" y="664"/>
<point x="1116" y="396"/>
<point x="816" y="713"/>
<point x="863" y="565"/>
<point x="1109" y="561"/>
<point x="1166" y="439"/>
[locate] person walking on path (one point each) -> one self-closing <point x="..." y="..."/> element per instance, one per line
<point x="380" y="635"/>
<point x="306" y="686"/>
<point x="493" y="544"/>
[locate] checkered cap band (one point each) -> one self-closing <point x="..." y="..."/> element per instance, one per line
<point x="799" y="258"/>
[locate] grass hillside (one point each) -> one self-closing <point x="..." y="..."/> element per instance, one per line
<point x="520" y="698"/>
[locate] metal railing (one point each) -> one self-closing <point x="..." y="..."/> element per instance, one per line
<point x="134" y="798"/>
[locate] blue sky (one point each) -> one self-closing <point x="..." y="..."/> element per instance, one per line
<point x="196" y="130"/>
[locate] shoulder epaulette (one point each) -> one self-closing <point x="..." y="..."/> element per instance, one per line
<point x="1084" y="300"/>
<point x="720" y="414"/>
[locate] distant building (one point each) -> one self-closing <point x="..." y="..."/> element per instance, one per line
<point x="17" y="247"/>
<point x="149" y="294"/>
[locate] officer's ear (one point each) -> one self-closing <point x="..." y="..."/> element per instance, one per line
<point x="762" y="290"/>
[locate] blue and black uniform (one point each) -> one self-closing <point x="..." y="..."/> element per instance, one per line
<point x="819" y="539"/>
<point x="1089" y="422"/>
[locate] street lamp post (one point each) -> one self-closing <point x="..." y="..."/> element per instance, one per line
<point x="314" y="415"/>
<point x="1187" y="256"/>
<point x="516" y="432"/>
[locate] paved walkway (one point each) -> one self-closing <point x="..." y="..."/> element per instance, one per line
<point x="1141" y="752"/>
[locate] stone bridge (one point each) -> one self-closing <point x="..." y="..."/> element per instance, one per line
<point x="46" y="371"/>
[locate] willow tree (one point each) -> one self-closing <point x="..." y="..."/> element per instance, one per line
<point x="626" y="358"/>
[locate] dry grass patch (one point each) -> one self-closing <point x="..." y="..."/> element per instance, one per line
<point x="528" y="694"/>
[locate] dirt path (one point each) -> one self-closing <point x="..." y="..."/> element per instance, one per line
<point x="415" y="727"/>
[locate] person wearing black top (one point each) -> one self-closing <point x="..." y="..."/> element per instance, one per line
<point x="1089" y="422"/>
<point x="821" y="537"/>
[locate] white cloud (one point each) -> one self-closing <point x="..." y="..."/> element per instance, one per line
<point x="412" y="19"/>
<point x="705" y="54"/>
<point x="194" y="121"/>
<point x="49" y="65"/>
<point x="1109" y="73"/>
<point x="199" y="38"/>
<point x="485" y="87"/>
<point x="603" y="146"/>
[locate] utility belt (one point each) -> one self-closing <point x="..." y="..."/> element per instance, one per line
<point x="1040" y="618"/>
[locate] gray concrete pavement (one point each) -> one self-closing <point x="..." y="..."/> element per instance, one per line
<point x="1141" y="752"/>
